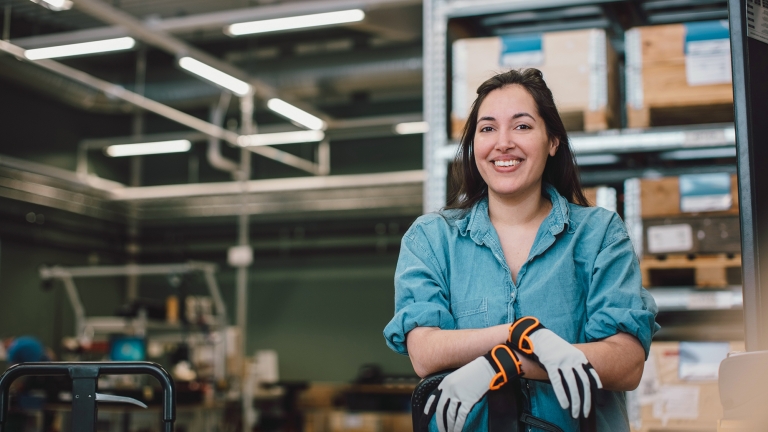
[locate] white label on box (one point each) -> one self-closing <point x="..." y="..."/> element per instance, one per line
<point x="708" y="62"/>
<point x="757" y="21"/>
<point x="670" y="238"/>
<point x="700" y="361"/>
<point x="703" y="203"/>
<point x="353" y="421"/>
<point x="522" y="59"/>
<point x="676" y="402"/>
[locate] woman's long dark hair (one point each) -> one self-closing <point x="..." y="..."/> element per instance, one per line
<point x="560" y="170"/>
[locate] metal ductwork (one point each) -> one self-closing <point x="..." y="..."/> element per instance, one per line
<point x="59" y="88"/>
<point x="303" y="77"/>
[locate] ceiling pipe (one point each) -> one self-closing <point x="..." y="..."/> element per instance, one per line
<point x="162" y="110"/>
<point x="214" y="156"/>
<point x="177" y="47"/>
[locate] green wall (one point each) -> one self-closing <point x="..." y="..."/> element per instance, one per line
<point x="323" y="315"/>
<point x="26" y="308"/>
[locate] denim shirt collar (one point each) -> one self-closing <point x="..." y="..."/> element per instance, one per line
<point x="477" y="222"/>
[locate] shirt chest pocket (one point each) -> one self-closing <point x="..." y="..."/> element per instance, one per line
<point x="471" y="314"/>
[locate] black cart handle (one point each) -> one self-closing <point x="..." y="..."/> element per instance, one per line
<point x="84" y="377"/>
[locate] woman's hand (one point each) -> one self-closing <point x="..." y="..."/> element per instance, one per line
<point x="572" y="376"/>
<point x="458" y="393"/>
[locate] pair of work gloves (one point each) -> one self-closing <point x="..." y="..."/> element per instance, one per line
<point x="572" y="376"/>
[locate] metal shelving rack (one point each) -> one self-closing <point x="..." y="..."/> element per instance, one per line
<point x="602" y="155"/>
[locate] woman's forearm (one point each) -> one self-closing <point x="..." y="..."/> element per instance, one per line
<point x="618" y="360"/>
<point x="432" y="349"/>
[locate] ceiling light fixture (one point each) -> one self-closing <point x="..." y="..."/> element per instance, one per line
<point x="412" y="128"/>
<point x="55" y="5"/>
<point x="281" y="138"/>
<point x="160" y="147"/>
<point x="94" y="47"/>
<point x="295" y="22"/>
<point x="295" y="114"/>
<point x="215" y="76"/>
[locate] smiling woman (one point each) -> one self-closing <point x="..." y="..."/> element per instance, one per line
<point x="519" y="279"/>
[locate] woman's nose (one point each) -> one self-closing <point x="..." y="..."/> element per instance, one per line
<point x="505" y="140"/>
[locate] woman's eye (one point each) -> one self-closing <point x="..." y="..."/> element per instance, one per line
<point x="523" y="126"/>
<point x="486" y="129"/>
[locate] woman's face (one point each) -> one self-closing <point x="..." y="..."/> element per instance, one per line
<point x="511" y="144"/>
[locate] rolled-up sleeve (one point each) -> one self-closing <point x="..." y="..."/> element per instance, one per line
<point x="617" y="302"/>
<point x="420" y="292"/>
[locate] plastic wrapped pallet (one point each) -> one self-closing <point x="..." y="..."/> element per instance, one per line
<point x="579" y="66"/>
<point x="679" y="390"/>
<point x="678" y="74"/>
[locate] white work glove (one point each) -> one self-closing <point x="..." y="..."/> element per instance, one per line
<point x="458" y="393"/>
<point x="568" y="369"/>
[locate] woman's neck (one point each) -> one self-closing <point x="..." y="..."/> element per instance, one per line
<point x="518" y="211"/>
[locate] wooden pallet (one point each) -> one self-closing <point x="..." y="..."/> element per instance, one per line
<point x="666" y="115"/>
<point x="573" y="120"/>
<point x="702" y="271"/>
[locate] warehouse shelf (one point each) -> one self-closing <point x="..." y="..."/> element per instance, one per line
<point x="666" y="140"/>
<point x="690" y="298"/>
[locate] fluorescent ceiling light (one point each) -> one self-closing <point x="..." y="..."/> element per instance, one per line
<point x="295" y="22"/>
<point x="216" y="76"/>
<point x="55" y="5"/>
<point x="295" y="114"/>
<point x="160" y="147"/>
<point x="95" y="47"/>
<point x="281" y="138"/>
<point x="412" y="128"/>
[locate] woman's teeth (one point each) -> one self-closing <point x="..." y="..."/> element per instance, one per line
<point x="507" y="163"/>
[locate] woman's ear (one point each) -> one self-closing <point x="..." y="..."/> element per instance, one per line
<point x="554" y="143"/>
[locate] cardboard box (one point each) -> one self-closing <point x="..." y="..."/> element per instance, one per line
<point x="345" y="421"/>
<point x="692" y="235"/>
<point x="578" y="66"/>
<point x="666" y="402"/>
<point x="678" y="74"/>
<point x="660" y="198"/>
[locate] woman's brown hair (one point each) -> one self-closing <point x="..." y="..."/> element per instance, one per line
<point x="560" y="170"/>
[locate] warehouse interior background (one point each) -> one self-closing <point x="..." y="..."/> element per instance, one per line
<point x="324" y="216"/>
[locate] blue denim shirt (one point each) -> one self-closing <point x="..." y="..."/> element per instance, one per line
<point x="581" y="279"/>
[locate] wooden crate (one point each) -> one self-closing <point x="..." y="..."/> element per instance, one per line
<point x="580" y="67"/>
<point x="344" y="421"/>
<point x="658" y="92"/>
<point x="702" y="271"/>
<point x="661" y="198"/>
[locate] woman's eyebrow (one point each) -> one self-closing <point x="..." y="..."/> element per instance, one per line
<point x="522" y="114"/>
<point x="516" y="116"/>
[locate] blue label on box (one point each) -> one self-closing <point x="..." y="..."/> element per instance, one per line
<point x="705" y="192"/>
<point x="522" y="50"/>
<point x="705" y="31"/>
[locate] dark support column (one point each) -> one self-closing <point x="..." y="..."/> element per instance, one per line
<point x="750" y="89"/>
